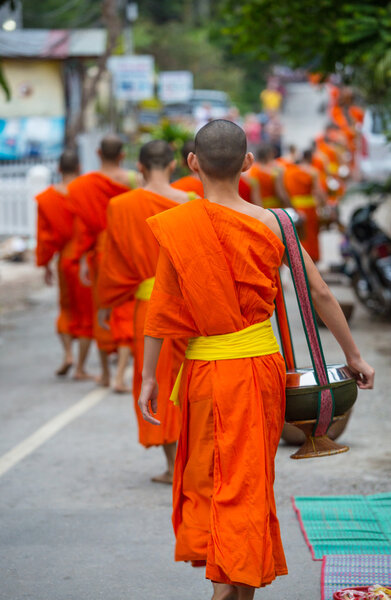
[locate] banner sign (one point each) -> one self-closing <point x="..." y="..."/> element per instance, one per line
<point x="133" y="77"/>
<point x="175" y="86"/>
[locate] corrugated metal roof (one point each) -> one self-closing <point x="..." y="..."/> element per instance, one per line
<point x="56" y="43"/>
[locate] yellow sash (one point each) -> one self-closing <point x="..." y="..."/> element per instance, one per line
<point x="256" y="340"/>
<point x="303" y="202"/>
<point x="145" y="288"/>
<point x="271" y="202"/>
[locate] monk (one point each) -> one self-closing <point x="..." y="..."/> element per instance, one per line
<point x="89" y="196"/>
<point x="302" y="183"/>
<point x="56" y="235"/>
<point x="128" y="271"/>
<point x="216" y="282"/>
<point x="290" y="158"/>
<point x="270" y="178"/>
<point x="249" y="188"/>
<point x="347" y="116"/>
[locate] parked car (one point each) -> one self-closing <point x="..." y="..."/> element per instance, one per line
<point x="217" y="103"/>
<point x="374" y="153"/>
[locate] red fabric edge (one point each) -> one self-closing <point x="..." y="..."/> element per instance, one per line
<point x="303" y="531"/>
<point x="322" y="577"/>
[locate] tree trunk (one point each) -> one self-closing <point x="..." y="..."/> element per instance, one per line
<point x="113" y="25"/>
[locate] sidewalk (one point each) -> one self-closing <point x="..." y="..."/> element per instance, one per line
<point x="17" y="282"/>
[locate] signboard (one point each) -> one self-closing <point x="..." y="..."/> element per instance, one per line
<point x="175" y="86"/>
<point x="133" y="77"/>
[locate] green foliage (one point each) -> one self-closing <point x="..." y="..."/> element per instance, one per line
<point x="355" y="36"/>
<point x="173" y="133"/>
<point x="52" y="14"/>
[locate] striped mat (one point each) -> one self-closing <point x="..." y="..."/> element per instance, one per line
<point x="344" y="570"/>
<point x="345" y="524"/>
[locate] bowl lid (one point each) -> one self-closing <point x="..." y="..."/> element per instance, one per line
<point x="305" y="377"/>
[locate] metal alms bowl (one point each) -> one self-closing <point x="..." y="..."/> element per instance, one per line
<point x="302" y="392"/>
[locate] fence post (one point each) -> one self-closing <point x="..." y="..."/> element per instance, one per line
<point x="38" y="178"/>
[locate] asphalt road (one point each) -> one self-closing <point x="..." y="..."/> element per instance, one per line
<point x="80" y="519"/>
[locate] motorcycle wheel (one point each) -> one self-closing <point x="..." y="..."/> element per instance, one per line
<point x="364" y="294"/>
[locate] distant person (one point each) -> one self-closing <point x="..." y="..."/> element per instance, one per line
<point x="253" y="129"/>
<point x="56" y="235"/>
<point x="290" y="158"/>
<point x="128" y="272"/>
<point x="271" y="97"/>
<point x="270" y="178"/>
<point x="89" y="197"/>
<point x="273" y="132"/>
<point x="203" y="114"/>
<point x="304" y="189"/>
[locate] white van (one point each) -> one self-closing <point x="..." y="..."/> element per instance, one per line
<point x="374" y="153"/>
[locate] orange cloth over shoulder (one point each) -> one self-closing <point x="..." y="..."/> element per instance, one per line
<point x="89" y="196"/>
<point x="189" y="183"/>
<point x="56" y="234"/>
<point x="299" y="183"/>
<point x="131" y="257"/>
<point x="232" y="410"/>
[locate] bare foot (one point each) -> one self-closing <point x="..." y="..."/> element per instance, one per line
<point x="103" y="380"/>
<point x="166" y="478"/>
<point x="63" y="370"/>
<point x="83" y="376"/>
<point x="223" y="591"/>
<point x="122" y="389"/>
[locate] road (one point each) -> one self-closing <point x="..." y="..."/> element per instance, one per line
<point x="80" y="519"/>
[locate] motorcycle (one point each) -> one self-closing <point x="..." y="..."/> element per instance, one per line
<point x="367" y="253"/>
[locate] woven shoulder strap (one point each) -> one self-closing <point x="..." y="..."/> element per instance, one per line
<point x="303" y="294"/>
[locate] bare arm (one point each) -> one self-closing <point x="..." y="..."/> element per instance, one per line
<point x="149" y="390"/>
<point x="331" y="314"/>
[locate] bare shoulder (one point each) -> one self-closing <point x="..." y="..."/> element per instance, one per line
<point x="179" y="196"/>
<point x="267" y="218"/>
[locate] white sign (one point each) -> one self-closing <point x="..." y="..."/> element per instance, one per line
<point x="175" y="86"/>
<point x="133" y="77"/>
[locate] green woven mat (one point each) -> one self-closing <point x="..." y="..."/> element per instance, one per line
<point x="345" y="524"/>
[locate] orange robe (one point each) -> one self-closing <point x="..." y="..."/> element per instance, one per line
<point x="189" y="183"/>
<point x="56" y="234"/>
<point x="232" y="410"/>
<point x="131" y="257"/>
<point x="267" y="185"/>
<point x="299" y="185"/>
<point x="89" y="196"/>
<point x="347" y="118"/>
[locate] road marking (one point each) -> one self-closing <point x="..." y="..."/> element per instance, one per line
<point x="47" y="431"/>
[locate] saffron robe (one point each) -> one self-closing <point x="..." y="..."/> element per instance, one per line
<point x="56" y="233"/>
<point x="217" y="274"/>
<point x="189" y="183"/>
<point x="89" y="196"/>
<point x="267" y="183"/>
<point x="299" y="183"/>
<point x="131" y="257"/>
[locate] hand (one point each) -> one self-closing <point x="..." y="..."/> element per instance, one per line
<point x="363" y="373"/>
<point x="148" y="400"/>
<point x="48" y="277"/>
<point x="84" y="272"/>
<point x="104" y="318"/>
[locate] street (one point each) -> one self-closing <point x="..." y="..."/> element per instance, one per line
<point x="81" y="519"/>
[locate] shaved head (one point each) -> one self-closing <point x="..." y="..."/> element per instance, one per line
<point x="69" y="162"/>
<point x="264" y="153"/>
<point x="221" y="147"/>
<point x="111" y="147"/>
<point x="156" y="154"/>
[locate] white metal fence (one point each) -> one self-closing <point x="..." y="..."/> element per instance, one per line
<point x="20" y="182"/>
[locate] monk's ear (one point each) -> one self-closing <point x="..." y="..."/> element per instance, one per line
<point x="140" y="167"/>
<point x="248" y="162"/>
<point x="192" y="162"/>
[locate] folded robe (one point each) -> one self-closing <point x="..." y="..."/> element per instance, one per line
<point x="131" y="255"/>
<point x="217" y="274"/>
<point x="56" y="233"/>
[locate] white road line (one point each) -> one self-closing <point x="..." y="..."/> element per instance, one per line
<point x="47" y="431"/>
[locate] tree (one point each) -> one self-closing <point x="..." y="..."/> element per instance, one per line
<point x="317" y="35"/>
